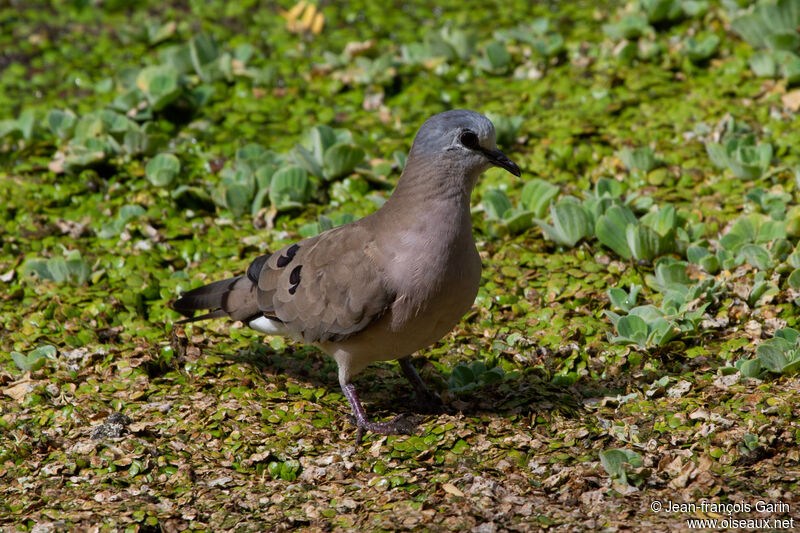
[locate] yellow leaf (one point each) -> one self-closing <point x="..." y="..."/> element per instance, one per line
<point x="308" y="16"/>
<point x="316" y="26"/>
<point x="294" y="13"/>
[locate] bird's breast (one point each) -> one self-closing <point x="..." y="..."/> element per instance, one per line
<point x="435" y="293"/>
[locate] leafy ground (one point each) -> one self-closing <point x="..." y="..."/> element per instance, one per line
<point x="632" y="343"/>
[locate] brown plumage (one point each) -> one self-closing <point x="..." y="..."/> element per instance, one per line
<point x="384" y="286"/>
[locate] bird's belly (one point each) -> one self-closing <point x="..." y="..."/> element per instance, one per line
<point x="387" y="339"/>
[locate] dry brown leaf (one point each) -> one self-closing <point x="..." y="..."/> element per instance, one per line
<point x="792" y="100"/>
<point x="18" y="390"/>
<point x="452" y="489"/>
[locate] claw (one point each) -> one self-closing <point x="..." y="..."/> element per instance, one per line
<point x="401" y="424"/>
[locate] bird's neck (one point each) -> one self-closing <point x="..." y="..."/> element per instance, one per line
<point x="431" y="187"/>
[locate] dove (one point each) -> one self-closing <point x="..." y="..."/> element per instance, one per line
<point x="382" y="287"/>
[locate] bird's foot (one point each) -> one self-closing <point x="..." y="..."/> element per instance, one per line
<point x="427" y="402"/>
<point x="399" y="425"/>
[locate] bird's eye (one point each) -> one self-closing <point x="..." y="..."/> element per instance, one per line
<point x="469" y="140"/>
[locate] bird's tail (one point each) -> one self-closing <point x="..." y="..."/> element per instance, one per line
<point x="234" y="298"/>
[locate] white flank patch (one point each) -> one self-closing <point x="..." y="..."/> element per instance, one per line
<point x="268" y="326"/>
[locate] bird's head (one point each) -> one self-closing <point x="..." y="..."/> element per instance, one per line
<point x="462" y="139"/>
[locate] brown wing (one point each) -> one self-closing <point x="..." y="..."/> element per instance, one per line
<point x="323" y="288"/>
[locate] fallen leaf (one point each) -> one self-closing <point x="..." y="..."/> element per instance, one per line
<point x="18" y="390"/>
<point x="452" y="489"/>
<point x="792" y="100"/>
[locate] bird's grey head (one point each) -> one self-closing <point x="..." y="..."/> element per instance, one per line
<point x="461" y="139"/>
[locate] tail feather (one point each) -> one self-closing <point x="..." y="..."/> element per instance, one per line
<point x="234" y="297"/>
<point x="219" y="313"/>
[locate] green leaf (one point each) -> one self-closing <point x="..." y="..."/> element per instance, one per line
<point x="135" y="142"/>
<point x="695" y="253"/>
<point x="608" y="188"/>
<point x="340" y="160"/>
<point x="770" y="230"/>
<point x="263" y="175"/>
<point x="400" y="159"/>
<point x="78" y="269"/>
<point x="160" y="32"/>
<point x="57" y="266"/>
<point x="662" y="220"/>
<point x="763" y="65"/>
<point x="752" y="28"/>
<point x="496" y="58"/>
<point x="629" y="27"/>
<point x="790" y="335"/>
<point x="661" y="10"/>
<point x="710" y="264"/>
<point x="496" y="204"/>
<point x="26" y="122"/>
<point x="631" y="330"/>
<point x="750" y="368"/>
<point x="668" y="274"/>
<point x="305" y="159"/>
<point x="641" y="159"/>
<point x="771" y="356"/>
<point x="614" y="462"/>
<point x="661" y="331"/>
<point x="623" y="300"/>
<point x="788" y="41"/>
<point x="321" y="137"/>
<point x="518" y="221"/>
<point x="289" y="188"/>
<point x="749" y="162"/>
<point x="237" y="198"/>
<point x="716" y="152"/>
<point x="536" y="196"/>
<point x="204" y="51"/>
<point x="757" y="256"/>
<point x="498" y="55"/>
<point x="35" y="360"/>
<point x="129" y="211"/>
<point x="642" y="241"/>
<point x="259" y="200"/>
<point x="789" y="66"/>
<point x="61" y="123"/>
<point x="160" y="85"/>
<point x="162" y="170"/>
<point x="506" y="128"/>
<point x="611" y="229"/>
<point x="570" y="222"/>
<point x="744" y="230"/>
<point x="701" y="49"/>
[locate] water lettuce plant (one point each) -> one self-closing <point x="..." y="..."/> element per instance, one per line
<point x="504" y="218"/>
<point x="69" y="268"/>
<point x="327" y="154"/>
<point x="570" y="222"/>
<point x="771" y="27"/>
<point x="781" y="354"/>
<point x="742" y="156"/>
<point x="679" y="314"/>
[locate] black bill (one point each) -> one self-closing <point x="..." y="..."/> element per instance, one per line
<point x="496" y="157"/>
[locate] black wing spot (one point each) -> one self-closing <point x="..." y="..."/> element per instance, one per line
<point x="255" y="267"/>
<point x="294" y="279"/>
<point x="286" y="259"/>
